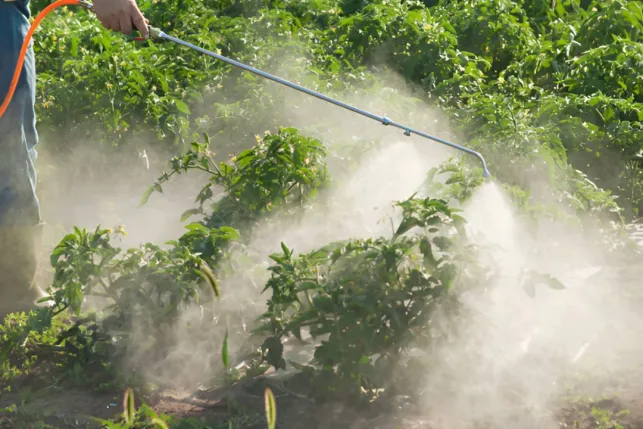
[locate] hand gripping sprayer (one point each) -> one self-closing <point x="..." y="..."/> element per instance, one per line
<point x="156" y="33"/>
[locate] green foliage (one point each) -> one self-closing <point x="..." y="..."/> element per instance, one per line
<point x="369" y="298"/>
<point x="283" y="170"/>
<point x="140" y="290"/>
<point x="147" y="280"/>
<point x="460" y="185"/>
<point x="146" y="289"/>
<point x="549" y="92"/>
<point x="536" y="84"/>
<point x="21" y="340"/>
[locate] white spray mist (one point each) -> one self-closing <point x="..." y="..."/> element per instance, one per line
<point x="508" y="368"/>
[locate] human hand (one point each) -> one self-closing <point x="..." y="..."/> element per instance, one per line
<point x="121" y="15"/>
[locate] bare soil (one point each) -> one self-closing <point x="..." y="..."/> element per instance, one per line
<point x="75" y="408"/>
<point x="242" y="404"/>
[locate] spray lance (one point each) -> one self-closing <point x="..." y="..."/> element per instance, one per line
<point x="156" y="33"/>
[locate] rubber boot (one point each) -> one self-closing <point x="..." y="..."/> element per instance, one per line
<point x="19" y="248"/>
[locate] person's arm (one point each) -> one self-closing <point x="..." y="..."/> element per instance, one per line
<point x="121" y="15"/>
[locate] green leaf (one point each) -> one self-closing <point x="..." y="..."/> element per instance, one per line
<point x="530" y="288"/>
<point x="128" y="405"/>
<point x="285" y="249"/>
<point x="553" y="282"/>
<point x="271" y="408"/>
<point x="206" y="274"/>
<point x="149" y="191"/>
<point x="189" y="213"/>
<point x="197" y="227"/>
<point x="183" y="108"/>
<point x="224" y="351"/>
<point x="160" y="424"/>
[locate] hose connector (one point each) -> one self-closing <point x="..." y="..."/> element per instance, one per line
<point x="155" y="33"/>
<point x="86" y="5"/>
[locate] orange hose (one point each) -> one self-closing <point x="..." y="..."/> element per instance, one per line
<point x="25" y="46"/>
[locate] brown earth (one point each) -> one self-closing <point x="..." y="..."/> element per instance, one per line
<point x="242" y="404"/>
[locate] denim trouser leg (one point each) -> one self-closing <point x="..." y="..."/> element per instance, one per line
<point x="20" y="226"/>
<point x="19" y="205"/>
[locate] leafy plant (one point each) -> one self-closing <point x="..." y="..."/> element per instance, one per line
<point x="282" y="170"/>
<point x="368" y="298"/>
<point x="143" y="288"/>
<point x="459" y="185"/>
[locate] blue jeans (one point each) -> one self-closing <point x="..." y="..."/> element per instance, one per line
<point x="19" y="205"/>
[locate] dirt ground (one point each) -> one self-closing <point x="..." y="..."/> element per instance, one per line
<point x="620" y="407"/>
<point x="615" y="403"/>
<point x="75" y="408"/>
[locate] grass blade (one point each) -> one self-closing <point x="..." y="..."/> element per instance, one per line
<point x="271" y="408"/>
<point x="224" y="351"/>
<point x="128" y="406"/>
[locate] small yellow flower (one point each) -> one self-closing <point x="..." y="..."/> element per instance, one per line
<point x="257" y="138"/>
